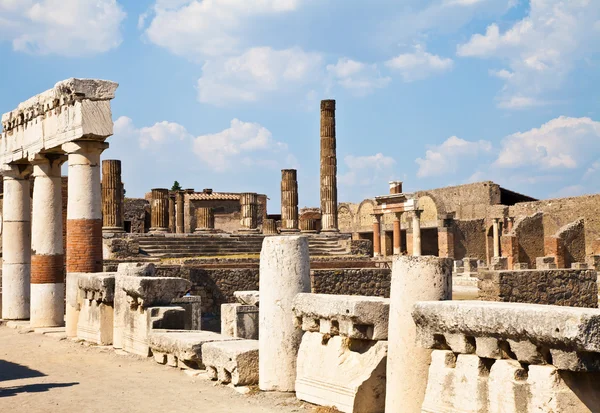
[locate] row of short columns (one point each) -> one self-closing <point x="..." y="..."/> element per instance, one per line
<point x="416" y="234"/>
<point x="33" y="255"/>
<point x="166" y="211"/>
<point x="285" y="272"/>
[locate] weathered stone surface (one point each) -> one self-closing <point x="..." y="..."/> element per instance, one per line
<point x="119" y="247"/>
<point x="241" y="321"/>
<point x="567" y="287"/>
<point x="97" y="286"/>
<point x="95" y="320"/>
<point x="247" y="297"/>
<point x="342" y="372"/>
<point x="193" y="311"/>
<point x="136" y="269"/>
<point x="153" y="291"/>
<point x="234" y="362"/>
<point x="141" y="321"/>
<point x="545" y="263"/>
<point x="353" y="316"/>
<point x="73" y="304"/>
<point x="184" y="346"/>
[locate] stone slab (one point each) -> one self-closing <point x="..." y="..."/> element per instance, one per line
<point x="154" y="291"/>
<point x="234" y="362"/>
<point x="247" y="297"/>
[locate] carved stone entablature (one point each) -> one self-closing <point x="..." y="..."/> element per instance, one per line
<point x="99" y="287"/>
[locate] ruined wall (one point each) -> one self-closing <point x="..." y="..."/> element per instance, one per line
<point x="363" y="281"/>
<point x="530" y="237"/>
<point x="560" y="212"/>
<point x="572" y="237"/>
<point x="470" y="239"/>
<point x="227" y="214"/>
<point x="137" y="212"/>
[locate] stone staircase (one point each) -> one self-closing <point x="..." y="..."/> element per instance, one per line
<point x="226" y="244"/>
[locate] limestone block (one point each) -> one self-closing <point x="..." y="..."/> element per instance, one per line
<point x="346" y="373"/>
<point x="247" y="297"/>
<point x="182" y="348"/>
<point x="234" y="362"/>
<point x="575" y="361"/>
<point x="487" y="347"/>
<point x="545" y="263"/>
<point x="96" y="318"/>
<point x="352" y="316"/>
<point x="240" y="321"/>
<point x="460" y="343"/>
<point x="507" y="387"/>
<point x="440" y="392"/>
<point x="499" y="263"/>
<point x="193" y="311"/>
<point x="73" y="304"/>
<point x="526" y="352"/>
<point x="580" y="265"/>
<point x="520" y="266"/>
<point x="470" y="264"/>
<point x="139" y="323"/>
<point x="153" y="291"/>
<point x="136" y="269"/>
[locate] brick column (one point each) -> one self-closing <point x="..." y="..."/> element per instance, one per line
<point x="376" y="235"/>
<point x="416" y="233"/>
<point x="16" y="243"/>
<point x="395" y="187"/>
<point x="48" y="259"/>
<point x="179" y="227"/>
<point x="329" y="217"/>
<point x="205" y="219"/>
<point x="249" y="210"/>
<point x="446" y="242"/>
<point x="84" y="206"/>
<point x="159" y="212"/>
<point x="397" y="232"/>
<point x="112" y="196"/>
<point x="289" y="201"/>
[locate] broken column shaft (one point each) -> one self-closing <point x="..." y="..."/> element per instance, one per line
<point x="160" y="210"/>
<point x="249" y="211"/>
<point x="289" y="201"/>
<point x="179" y="205"/>
<point x="112" y="196"/>
<point x="205" y="219"/>
<point x="329" y="218"/>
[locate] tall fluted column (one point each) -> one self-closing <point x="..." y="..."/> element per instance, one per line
<point x="205" y="219"/>
<point x="308" y="226"/>
<point x="496" y="238"/>
<point x="270" y="227"/>
<point x="249" y="210"/>
<point x="179" y="212"/>
<point x="84" y="206"/>
<point x="16" y="243"/>
<point x="416" y="227"/>
<point x="112" y="196"/>
<point x="48" y="259"/>
<point x="159" y="210"/>
<point x="397" y="234"/>
<point x="289" y="201"/>
<point x="376" y="235"/>
<point x="329" y="218"/>
<point x="172" y="214"/>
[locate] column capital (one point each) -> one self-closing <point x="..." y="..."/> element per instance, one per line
<point x="417" y="213"/>
<point x="48" y="164"/>
<point x="16" y="171"/>
<point x="376" y="218"/>
<point x="398" y="216"/>
<point x="84" y="147"/>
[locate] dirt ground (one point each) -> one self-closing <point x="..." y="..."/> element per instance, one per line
<point x="39" y="373"/>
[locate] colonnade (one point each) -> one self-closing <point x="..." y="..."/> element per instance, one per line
<point x="416" y="234"/>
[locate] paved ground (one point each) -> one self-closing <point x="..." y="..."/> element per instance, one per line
<point x="43" y="374"/>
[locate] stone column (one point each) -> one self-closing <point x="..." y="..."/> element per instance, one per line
<point x="376" y="235"/>
<point x="172" y="215"/>
<point x="416" y="233"/>
<point x="309" y="226"/>
<point x="84" y="206"/>
<point x="205" y="219"/>
<point x="284" y="272"/>
<point x="270" y="227"/>
<point x="159" y="210"/>
<point x="413" y="279"/>
<point x="179" y="198"/>
<point x="289" y="201"/>
<point x="496" y="238"/>
<point x="16" y="243"/>
<point x="112" y="196"/>
<point x="329" y="217"/>
<point x="397" y="235"/>
<point x="48" y="259"/>
<point x="249" y="210"/>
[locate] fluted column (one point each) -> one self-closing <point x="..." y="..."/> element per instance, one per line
<point x="270" y="227"/>
<point x="308" y="226"/>
<point x="179" y="198"/>
<point x="159" y="210"/>
<point x="112" y="196"/>
<point x="48" y="259"/>
<point x="16" y="243"/>
<point x="416" y="228"/>
<point x="249" y="210"/>
<point x="205" y="219"/>
<point x="84" y="206"/>
<point x="289" y="201"/>
<point x="376" y="235"/>
<point x="172" y="214"/>
<point x="329" y="218"/>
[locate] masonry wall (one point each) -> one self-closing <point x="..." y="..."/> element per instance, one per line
<point x="137" y="212"/>
<point x="530" y="237"/>
<point x="470" y="239"/>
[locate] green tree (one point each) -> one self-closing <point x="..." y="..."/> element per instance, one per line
<point x="176" y="186"/>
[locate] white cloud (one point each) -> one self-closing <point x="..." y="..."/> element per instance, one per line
<point x="151" y="137"/>
<point x="447" y="157"/>
<point x="257" y="72"/>
<point x="560" y="143"/>
<point x="61" y="27"/>
<point x="196" y="29"/>
<point x="419" y="65"/>
<point x="366" y="170"/>
<point x="541" y="49"/>
<point x="361" y="78"/>
<point x="240" y="142"/>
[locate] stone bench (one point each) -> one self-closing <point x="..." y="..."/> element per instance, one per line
<point x="234" y="362"/>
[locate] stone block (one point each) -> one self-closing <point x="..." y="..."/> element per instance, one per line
<point x="470" y="264"/>
<point x="580" y="265"/>
<point x="499" y="263"/>
<point x="240" y="321"/>
<point x="520" y="266"/>
<point x="193" y="311"/>
<point x="342" y="372"/>
<point x="140" y="322"/>
<point x="136" y="269"/>
<point x="234" y="362"/>
<point x="594" y="262"/>
<point x="72" y="304"/>
<point x="153" y="291"/>
<point x="487" y="347"/>
<point x="354" y="316"/>
<point x="545" y="263"/>
<point x="95" y="322"/>
<point x="247" y="297"/>
<point x="181" y="348"/>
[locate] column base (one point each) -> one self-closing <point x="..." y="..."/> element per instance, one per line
<point x="205" y="231"/>
<point x="47" y="305"/>
<point x="249" y="231"/>
<point x="289" y="231"/>
<point x="309" y="231"/>
<point x="330" y="232"/>
<point x="397" y="251"/>
<point x="113" y="230"/>
<point x="158" y="231"/>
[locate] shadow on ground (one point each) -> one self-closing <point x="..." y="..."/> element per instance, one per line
<point x="32" y="388"/>
<point x="14" y="371"/>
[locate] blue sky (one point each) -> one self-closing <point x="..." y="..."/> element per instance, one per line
<point x="223" y="94"/>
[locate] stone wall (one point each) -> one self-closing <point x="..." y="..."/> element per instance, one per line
<point x="470" y="201"/>
<point x="572" y="237"/>
<point x="362" y="281"/>
<point x="470" y="239"/>
<point x="137" y="212"/>
<point x="530" y="237"/>
<point x="566" y="287"/>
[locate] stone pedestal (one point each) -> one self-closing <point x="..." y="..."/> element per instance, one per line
<point x="179" y="202"/>
<point x="289" y="201"/>
<point x="84" y="208"/>
<point x="16" y="243"/>
<point x="159" y="210"/>
<point x="270" y="227"/>
<point x="239" y="320"/>
<point x="48" y="259"/>
<point x="284" y="272"/>
<point x="249" y="212"/>
<point x="205" y="220"/>
<point x="329" y="217"/>
<point x="95" y="321"/>
<point x="112" y="196"/>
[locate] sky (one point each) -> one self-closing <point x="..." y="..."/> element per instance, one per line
<point x="223" y="94"/>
